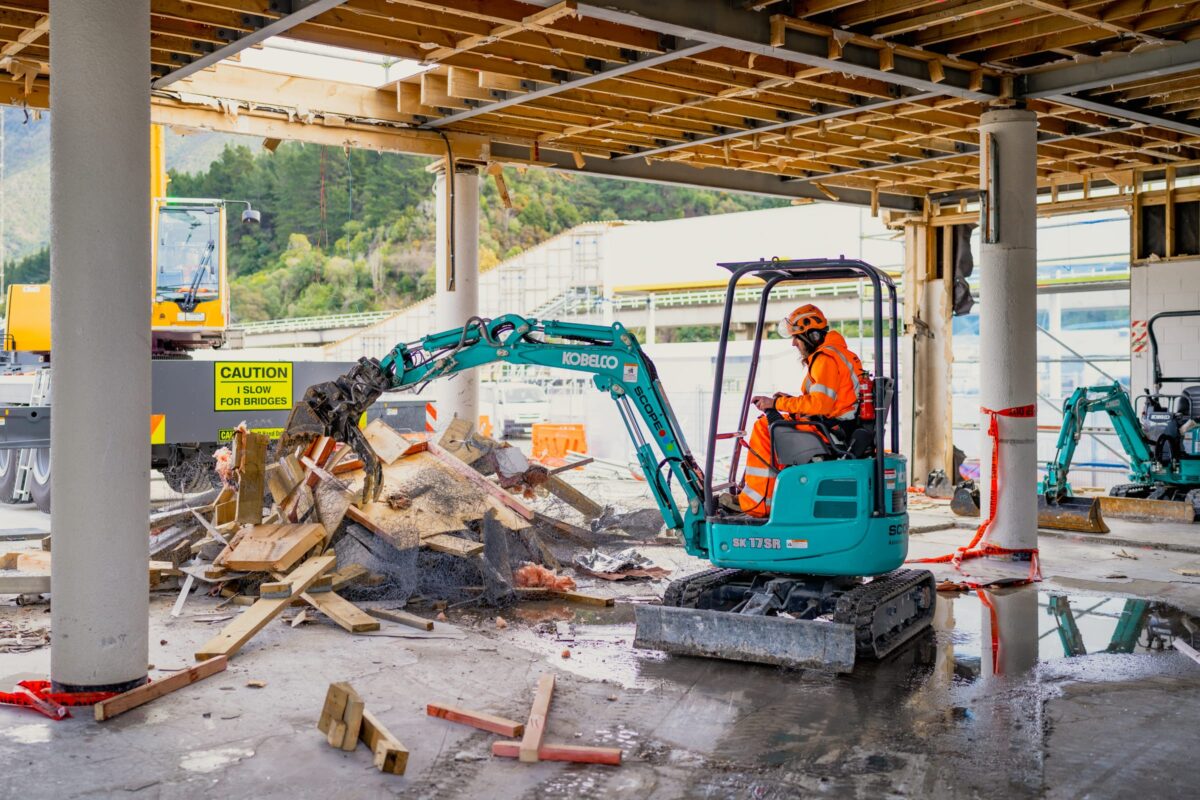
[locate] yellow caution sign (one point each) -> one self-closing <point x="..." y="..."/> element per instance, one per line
<point x="226" y="434"/>
<point x="252" y="385"/>
<point x="158" y="429"/>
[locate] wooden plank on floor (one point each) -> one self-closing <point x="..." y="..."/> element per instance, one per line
<point x="107" y="709"/>
<point x="476" y="719"/>
<point x="581" y="598"/>
<point x="253" y="619"/>
<point x="390" y="755"/>
<point x="562" y="752"/>
<point x="402" y="617"/>
<point x="535" y="728"/>
<point x="341" y="611"/>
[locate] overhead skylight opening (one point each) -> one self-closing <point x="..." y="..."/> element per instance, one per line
<point x="309" y="60"/>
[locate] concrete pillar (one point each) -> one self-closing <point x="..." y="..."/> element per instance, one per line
<point x="457" y="396"/>
<point x="927" y="408"/>
<point x="100" y="294"/>
<point x="1008" y="326"/>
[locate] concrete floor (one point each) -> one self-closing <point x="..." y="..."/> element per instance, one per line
<point x="929" y="722"/>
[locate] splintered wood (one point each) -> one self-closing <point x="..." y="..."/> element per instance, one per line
<point x="273" y="547"/>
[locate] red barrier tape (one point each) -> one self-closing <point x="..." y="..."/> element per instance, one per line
<point x="979" y="547"/>
<point x="37" y="695"/>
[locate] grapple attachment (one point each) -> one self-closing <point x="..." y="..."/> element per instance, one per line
<point x="333" y="409"/>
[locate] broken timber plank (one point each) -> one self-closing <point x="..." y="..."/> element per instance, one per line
<point x="273" y="547"/>
<point x="568" y="531"/>
<point x="347" y="575"/>
<point x="402" y="617"/>
<point x="535" y="728"/>
<point x="390" y="755"/>
<point x="341" y="716"/>
<point x="452" y="545"/>
<point x="252" y="457"/>
<point x="574" y="498"/>
<point x="480" y="481"/>
<point x="563" y="752"/>
<point x="581" y="598"/>
<point x="476" y="719"/>
<point x="107" y="709"/>
<point x="253" y="619"/>
<point x="387" y="443"/>
<point x="341" y="611"/>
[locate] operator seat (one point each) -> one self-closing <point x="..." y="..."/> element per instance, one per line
<point x="1187" y="405"/>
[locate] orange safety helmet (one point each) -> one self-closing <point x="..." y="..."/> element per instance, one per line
<point x="807" y="322"/>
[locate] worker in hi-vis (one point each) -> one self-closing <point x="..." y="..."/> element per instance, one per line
<point x="830" y="390"/>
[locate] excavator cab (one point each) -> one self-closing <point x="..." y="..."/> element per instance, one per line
<point x="839" y="506"/>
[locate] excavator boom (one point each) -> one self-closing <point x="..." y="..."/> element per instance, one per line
<point x="611" y="355"/>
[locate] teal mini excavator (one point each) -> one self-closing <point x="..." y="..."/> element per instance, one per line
<point x="815" y="584"/>
<point x="1160" y="434"/>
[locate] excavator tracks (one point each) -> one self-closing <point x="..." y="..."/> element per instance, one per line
<point x="888" y="611"/>
<point x="884" y="613"/>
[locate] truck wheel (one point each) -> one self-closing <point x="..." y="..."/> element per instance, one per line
<point x="8" y="474"/>
<point x="39" y="479"/>
<point x="193" y="473"/>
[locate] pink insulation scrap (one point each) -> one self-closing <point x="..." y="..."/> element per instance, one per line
<point x="224" y="463"/>
<point x="537" y="576"/>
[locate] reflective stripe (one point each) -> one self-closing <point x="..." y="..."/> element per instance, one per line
<point x="853" y="412"/>
<point x="760" y="472"/>
<point x="753" y="495"/>
<point x="848" y="415"/>
<point x="823" y="389"/>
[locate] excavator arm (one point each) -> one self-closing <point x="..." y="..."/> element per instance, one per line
<point x="1110" y="398"/>
<point x="611" y="355"/>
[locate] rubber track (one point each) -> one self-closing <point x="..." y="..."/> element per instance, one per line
<point x="860" y="605"/>
<point x="686" y="591"/>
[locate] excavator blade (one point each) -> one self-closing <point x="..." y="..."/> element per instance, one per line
<point x="1141" y="509"/>
<point x="1078" y="514"/>
<point x="779" y="641"/>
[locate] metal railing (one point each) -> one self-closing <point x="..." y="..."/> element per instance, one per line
<point x="360" y="319"/>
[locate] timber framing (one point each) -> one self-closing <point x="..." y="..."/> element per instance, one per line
<point x="860" y="101"/>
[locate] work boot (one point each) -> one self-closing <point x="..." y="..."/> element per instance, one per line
<point x="728" y="501"/>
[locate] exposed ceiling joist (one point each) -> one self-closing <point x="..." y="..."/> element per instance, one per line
<point x="517" y="98"/>
<point x="778" y="126"/>
<point x="302" y="11"/>
<point x="729" y="25"/>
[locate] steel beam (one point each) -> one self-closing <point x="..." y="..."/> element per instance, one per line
<point x="729" y="25"/>
<point x="515" y="98"/>
<point x="1158" y="62"/>
<point x="968" y="150"/>
<point x="777" y="126"/>
<point x="302" y="11"/>
<point x="1124" y="112"/>
<point x="729" y="180"/>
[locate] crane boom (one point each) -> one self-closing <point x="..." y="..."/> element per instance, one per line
<point x="610" y="354"/>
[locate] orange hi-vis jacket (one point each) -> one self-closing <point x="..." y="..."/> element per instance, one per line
<point x="830" y="389"/>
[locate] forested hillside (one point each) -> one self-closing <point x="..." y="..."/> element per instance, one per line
<point x="347" y="231"/>
<point x="352" y="230"/>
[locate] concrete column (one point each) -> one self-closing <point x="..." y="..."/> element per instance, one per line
<point x="458" y="396"/>
<point x="100" y="294"/>
<point x="1008" y="327"/>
